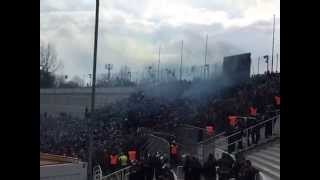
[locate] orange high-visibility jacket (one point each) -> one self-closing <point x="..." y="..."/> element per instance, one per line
<point x="113" y="159"/>
<point x="132" y="155"/>
<point x="277" y="98"/>
<point x="232" y="120"/>
<point x="210" y="130"/>
<point x="253" y="111"/>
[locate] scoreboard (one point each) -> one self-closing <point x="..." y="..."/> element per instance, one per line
<point x="236" y="68"/>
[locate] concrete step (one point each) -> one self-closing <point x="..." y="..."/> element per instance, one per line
<point x="266" y="176"/>
<point x="270" y="153"/>
<point x="269" y="173"/>
<point x="266" y="157"/>
<point x="268" y="164"/>
<point x="275" y="149"/>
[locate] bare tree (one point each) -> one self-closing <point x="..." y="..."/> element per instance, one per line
<point x="103" y="80"/>
<point x="48" y="58"/>
<point x="77" y="80"/>
<point x="124" y="73"/>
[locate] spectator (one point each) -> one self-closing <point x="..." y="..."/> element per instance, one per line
<point x="187" y="168"/>
<point x="225" y="166"/>
<point x="195" y="169"/>
<point x="123" y="160"/>
<point x="247" y="172"/>
<point x="209" y="168"/>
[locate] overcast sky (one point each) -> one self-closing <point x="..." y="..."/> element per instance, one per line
<point x="131" y="31"/>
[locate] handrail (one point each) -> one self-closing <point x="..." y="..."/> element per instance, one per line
<point x="162" y="133"/>
<point x="223" y="151"/>
<point x="192" y="126"/>
<point x="214" y="137"/>
<point x="244" y="131"/>
<point x="160" y="138"/>
<point x="116" y="172"/>
<point x="253" y="126"/>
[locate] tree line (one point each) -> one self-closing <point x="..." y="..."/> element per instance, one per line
<point x="49" y="78"/>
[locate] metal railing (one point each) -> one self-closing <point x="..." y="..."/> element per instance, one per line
<point x="122" y="174"/>
<point x="247" y="134"/>
<point x="180" y="173"/>
<point x="97" y="173"/>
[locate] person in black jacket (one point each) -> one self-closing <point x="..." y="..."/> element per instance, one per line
<point x="209" y="168"/>
<point x="195" y="169"/>
<point x="187" y="168"/>
<point x="247" y="172"/>
<point x="148" y="170"/>
<point x="225" y="166"/>
<point x="240" y="162"/>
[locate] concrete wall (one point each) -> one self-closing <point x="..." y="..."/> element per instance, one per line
<point x="69" y="171"/>
<point x="75" y="100"/>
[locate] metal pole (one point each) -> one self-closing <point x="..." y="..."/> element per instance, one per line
<point x="181" y="61"/>
<point x="252" y="69"/>
<point x="93" y="89"/>
<point x="159" y="66"/>
<point x="274" y="19"/>
<point x="258" y="63"/>
<point x="277" y="63"/>
<point x="205" y="57"/>
<point x="267" y="63"/>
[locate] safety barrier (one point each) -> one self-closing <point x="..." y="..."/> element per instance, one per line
<point x="122" y="174"/>
<point x="180" y="173"/>
<point x="246" y="135"/>
<point x="154" y="144"/>
<point x="97" y="173"/>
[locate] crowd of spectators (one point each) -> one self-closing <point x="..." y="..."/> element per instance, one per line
<point x="225" y="168"/>
<point x="115" y="126"/>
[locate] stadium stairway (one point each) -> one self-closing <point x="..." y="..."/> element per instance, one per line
<point x="266" y="158"/>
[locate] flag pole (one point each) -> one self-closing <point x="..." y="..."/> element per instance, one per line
<point x="274" y="19"/>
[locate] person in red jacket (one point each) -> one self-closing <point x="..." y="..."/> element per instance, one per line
<point x="174" y="153"/>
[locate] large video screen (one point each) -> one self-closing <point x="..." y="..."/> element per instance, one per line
<point x="236" y="68"/>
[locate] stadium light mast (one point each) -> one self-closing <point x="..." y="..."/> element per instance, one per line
<point x="274" y="19"/>
<point x="181" y="61"/>
<point x="258" y="64"/>
<point x="277" y="62"/>
<point x="159" y="66"/>
<point x="93" y="90"/>
<point x="205" y="57"/>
